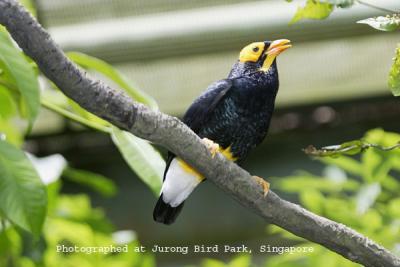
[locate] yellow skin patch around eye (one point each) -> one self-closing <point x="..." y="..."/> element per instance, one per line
<point x="189" y="169"/>
<point x="252" y="52"/>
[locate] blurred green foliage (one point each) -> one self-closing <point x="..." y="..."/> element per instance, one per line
<point x="361" y="192"/>
<point x="35" y="217"/>
<point x="313" y="10"/>
<point x="70" y="222"/>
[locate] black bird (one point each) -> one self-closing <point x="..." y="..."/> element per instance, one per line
<point x="232" y="116"/>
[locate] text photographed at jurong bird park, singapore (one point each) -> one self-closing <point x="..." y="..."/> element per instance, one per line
<point x="185" y="249"/>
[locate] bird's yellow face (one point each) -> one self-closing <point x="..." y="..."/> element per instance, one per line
<point x="266" y="51"/>
<point x="252" y="52"/>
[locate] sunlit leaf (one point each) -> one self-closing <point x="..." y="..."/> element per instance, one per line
<point x="312" y="200"/>
<point x="394" y="208"/>
<point x="370" y="161"/>
<point x="314" y="9"/>
<point x="387" y="23"/>
<point x="23" y="76"/>
<point x="54" y="106"/>
<point x="299" y="183"/>
<point x="78" y="208"/>
<point x="212" y="263"/>
<point x="394" y="74"/>
<point x="10" y="133"/>
<point x="371" y="220"/>
<point x="141" y="157"/>
<point x="95" y="181"/>
<point x="240" y="261"/>
<point x="8" y="107"/>
<point x="340" y="209"/>
<point x="23" y="197"/>
<point x="86" y="114"/>
<point x="109" y="71"/>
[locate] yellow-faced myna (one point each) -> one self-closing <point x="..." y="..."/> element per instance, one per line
<point x="232" y="116"/>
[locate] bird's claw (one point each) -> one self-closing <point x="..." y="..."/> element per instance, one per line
<point x="211" y="146"/>
<point x="264" y="184"/>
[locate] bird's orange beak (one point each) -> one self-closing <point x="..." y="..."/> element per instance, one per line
<point x="274" y="49"/>
<point x="278" y="46"/>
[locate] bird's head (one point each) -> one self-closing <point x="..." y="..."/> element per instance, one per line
<point x="263" y="54"/>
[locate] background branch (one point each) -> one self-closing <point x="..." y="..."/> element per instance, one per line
<point x="120" y="110"/>
<point x="376" y="7"/>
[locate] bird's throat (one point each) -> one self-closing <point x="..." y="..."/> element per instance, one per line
<point x="268" y="62"/>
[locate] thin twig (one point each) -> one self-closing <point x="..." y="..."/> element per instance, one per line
<point x="389" y="148"/>
<point x="349" y="148"/>
<point x="376" y="7"/>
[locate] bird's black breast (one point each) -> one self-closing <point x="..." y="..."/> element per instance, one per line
<point x="241" y="118"/>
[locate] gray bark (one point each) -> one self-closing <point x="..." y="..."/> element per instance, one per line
<point x="117" y="108"/>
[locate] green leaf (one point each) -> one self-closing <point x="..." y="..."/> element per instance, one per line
<point x="8" y="107"/>
<point x="10" y="133"/>
<point x="348" y="164"/>
<point x="312" y="200"/>
<point x="23" y="76"/>
<point x="23" y="197"/>
<point x="86" y="114"/>
<point x="78" y="208"/>
<point x="371" y="220"/>
<point x="314" y="9"/>
<point x="299" y="182"/>
<point x="141" y="157"/>
<point x="95" y="181"/>
<point x="388" y="23"/>
<point x="394" y="208"/>
<point x="394" y="74"/>
<point x="104" y="68"/>
<point x="240" y="261"/>
<point x="212" y="263"/>
<point x="56" y="107"/>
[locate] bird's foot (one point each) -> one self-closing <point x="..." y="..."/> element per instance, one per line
<point x="264" y="184"/>
<point x="211" y="146"/>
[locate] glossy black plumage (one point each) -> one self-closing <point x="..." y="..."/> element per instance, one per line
<point x="234" y="112"/>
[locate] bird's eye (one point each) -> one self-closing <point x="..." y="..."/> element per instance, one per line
<point x="255" y="49"/>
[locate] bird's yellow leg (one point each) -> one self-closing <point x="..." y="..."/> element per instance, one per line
<point x="211" y="146"/>
<point x="264" y="184"/>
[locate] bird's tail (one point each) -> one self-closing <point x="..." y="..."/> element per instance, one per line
<point x="165" y="213"/>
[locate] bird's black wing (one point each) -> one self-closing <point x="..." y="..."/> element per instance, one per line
<point x="198" y="113"/>
<point x="200" y="110"/>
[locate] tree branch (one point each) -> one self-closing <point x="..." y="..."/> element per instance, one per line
<point x="117" y="108"/>
<point x="376" y="7"/>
